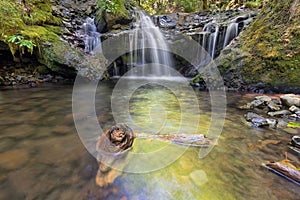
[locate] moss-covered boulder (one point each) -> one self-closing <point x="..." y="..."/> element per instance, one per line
<point x="34" y="22"/>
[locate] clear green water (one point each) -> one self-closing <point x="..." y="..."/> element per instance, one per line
<point x="42" y="157"/>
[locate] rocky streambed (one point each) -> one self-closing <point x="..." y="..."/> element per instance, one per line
<point x="274" y="112"/>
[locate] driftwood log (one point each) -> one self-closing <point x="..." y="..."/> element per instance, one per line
<point x="286" y="169"/>
<point x="114" y="144"/>
<point x="111" y="146"/>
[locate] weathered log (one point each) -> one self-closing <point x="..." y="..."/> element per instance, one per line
<point x="193" y="140"/>
<point x="111" y="146"/>
<point x="114" y="144"/>
<point x="285" y="169"/>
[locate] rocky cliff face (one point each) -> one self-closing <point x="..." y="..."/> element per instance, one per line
<point x="267" y="55"/>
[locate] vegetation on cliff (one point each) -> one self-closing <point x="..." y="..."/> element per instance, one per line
<point x="267" y="53"/>
<point x="272" y="45"/>
<point x="24" y="21"/>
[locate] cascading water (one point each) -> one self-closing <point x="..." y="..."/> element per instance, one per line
<point x="92" y="37"/>
<point x="232" y="32"/>
<point x="146" y="34"/>
<point x="213" y="38"/>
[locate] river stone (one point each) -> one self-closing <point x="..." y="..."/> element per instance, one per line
<point x="282" y="124"/>
<point x="259" y="121"/>
<point x="294" y="117"/>
<point x="273" y="106"/>
<point x="290" y="100"/>
<point x="279" y="113"/>
<point x="257" y="103"/>
<point x="294" y="109"/>
<point x="261" y="111"/>
<point x="272" y="123"/>
<point x="13" y="159"/>
<point x="263" y="98"/>
<point x="250" y="115"/>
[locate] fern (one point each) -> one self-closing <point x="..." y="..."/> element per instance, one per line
<point x="22" y="43"/>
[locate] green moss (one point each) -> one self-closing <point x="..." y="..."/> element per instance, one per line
<point x="273" y="45"/>
<point x="23" y="19"/>
<point x="294" y="125"/>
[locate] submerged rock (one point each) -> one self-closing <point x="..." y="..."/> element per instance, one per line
<point x="13" y="159"/>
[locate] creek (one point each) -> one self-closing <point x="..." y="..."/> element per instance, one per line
<point x="42" y="156"/>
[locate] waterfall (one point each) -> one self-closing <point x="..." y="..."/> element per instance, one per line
<point x="146" y="34"/>
<point x="213" y="28"/>
<point x="232" y="32"/>
<point x="92" y="37"/>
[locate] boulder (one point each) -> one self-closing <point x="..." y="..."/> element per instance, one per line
<point x="63" y="59"/>
<point x="290" y="100"/>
